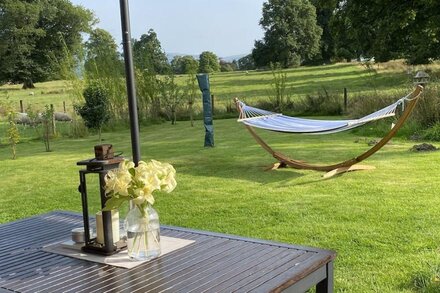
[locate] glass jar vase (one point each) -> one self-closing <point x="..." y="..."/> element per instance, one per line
<point x="143" y="233"/>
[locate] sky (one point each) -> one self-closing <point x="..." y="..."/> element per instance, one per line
<point x="225" y="27"/>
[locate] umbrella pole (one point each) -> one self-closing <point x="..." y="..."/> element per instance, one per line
<point x="131" y="90"/>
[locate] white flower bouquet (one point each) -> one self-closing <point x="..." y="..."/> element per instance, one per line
<point x="138" y="184"/>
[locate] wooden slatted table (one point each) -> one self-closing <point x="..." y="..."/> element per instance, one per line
<point x="213" y="263"/>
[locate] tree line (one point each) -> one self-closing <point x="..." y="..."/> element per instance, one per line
<point x="323" y="31"/>
<point x="39" y="39"/>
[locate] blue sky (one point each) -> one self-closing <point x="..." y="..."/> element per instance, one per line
<point x="225" y="27"/>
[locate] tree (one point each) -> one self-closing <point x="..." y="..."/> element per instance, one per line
<point x="95" y="111"/>
<point x="191" y="93"/>
<point x="13" y="136"/>
<point x="345" y="43"/>
<point x="357" y="26"/>
<point x="246" y="63"/>
<point x="148" y="54"/>
<point x="227" y="66"/>
<point x="104" y="65"/>
<point x="12" y="133"/>
<point x="184" y="64"/>
<point x="19" y="33"/>
<point x="390" y="29"/>
<point x="64" y="24"/>
<point x="47" y="119"/>
<point x="208" y="62"/>
<point x="172" y="96"/>
<point x="102" y="57"/>
<point x="33" y="35"/>
<point x="291" y="33"/>
<point x="147" y="88"/>
<point x="324" y="16"/>
<point x="279" y="94"/>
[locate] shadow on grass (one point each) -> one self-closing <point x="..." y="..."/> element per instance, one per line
<point x="298" y="70"/>
<point x="257" y="171"/>
<point x="235" y="169"/>
<point x="292" y="78"/>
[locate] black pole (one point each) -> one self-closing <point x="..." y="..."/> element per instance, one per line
<point x="129" y="73"/>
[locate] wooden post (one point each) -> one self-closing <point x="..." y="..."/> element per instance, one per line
<point x="345" y="99"/>
<point x="64" y="106"/>
<point x="212" y="104"/>
<point x="21" y="106"/>
<point x="54" y="130"/>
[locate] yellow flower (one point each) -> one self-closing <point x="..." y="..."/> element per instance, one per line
<point x="126" y="165"/>
<point x="148" y="197"/>
<point x="139" y="200"/>
<point x="168" y="175"/>
<point x="117" y="182"/>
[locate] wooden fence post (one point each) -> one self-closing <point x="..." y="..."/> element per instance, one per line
<point x="54" y="130"/>
<point x="64" y="106"/>
<point x="21" y="106"/>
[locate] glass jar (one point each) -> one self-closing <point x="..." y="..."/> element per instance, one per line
<point x="143" y="233"/>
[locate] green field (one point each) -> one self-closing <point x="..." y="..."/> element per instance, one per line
<point x="251" y="85"/>
<point x="307" y="80"/>
<point x="384" y="224"/>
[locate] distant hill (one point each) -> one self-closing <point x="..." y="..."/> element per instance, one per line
<point x="170" y="56"/>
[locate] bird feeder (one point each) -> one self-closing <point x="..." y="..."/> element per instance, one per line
<point x="107" y="240"/>
<point x="421" y="78"/>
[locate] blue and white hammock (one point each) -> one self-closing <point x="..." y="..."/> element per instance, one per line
<point x="254" y="117"/>
<point x="259" y="118"/>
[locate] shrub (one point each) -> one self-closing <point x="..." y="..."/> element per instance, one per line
<point x="279" y="91"/>
<point x="432" y="133"/>
<point x="322" y="103"/>
<point x="13" y="134"/>
<point x="427" y="111"/>
<point x="48" y="127"/>
<point x="381" y="127"/>
<point x="95" y="112"/>
<point x="426" y="114"/>
<point x="172" y="96"/>
<point x="361" y="105"/>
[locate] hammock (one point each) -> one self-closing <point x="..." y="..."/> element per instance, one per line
<point x="278" y="122"/>
<point x="254" y="117"/>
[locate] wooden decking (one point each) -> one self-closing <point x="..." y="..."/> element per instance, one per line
<point x="213" y="263"/>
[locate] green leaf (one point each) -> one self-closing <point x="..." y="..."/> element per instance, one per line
<point x="114" y="203"/>
<point x="132" y="172"/>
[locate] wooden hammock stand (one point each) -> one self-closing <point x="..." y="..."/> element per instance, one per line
<point x="345" y="166"/>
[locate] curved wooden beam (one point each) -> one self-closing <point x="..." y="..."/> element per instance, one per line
<point x="283" y="159"/>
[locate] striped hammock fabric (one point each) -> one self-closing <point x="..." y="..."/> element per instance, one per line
<point x="278" y="122"/>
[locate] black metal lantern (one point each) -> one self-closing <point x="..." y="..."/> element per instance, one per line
<point x="421" y="78"/>
<point x="100" y="165"/>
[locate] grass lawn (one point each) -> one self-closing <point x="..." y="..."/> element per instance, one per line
<point x="384" y="224"/>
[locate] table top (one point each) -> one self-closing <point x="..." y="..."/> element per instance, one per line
<point x="214" y="262"/>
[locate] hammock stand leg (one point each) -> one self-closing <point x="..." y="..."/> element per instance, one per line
<point x="276" y="166"/>
<point x="329" y="174"/>
<point x="341" y="170"/>
<point x="345" y="166"/>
